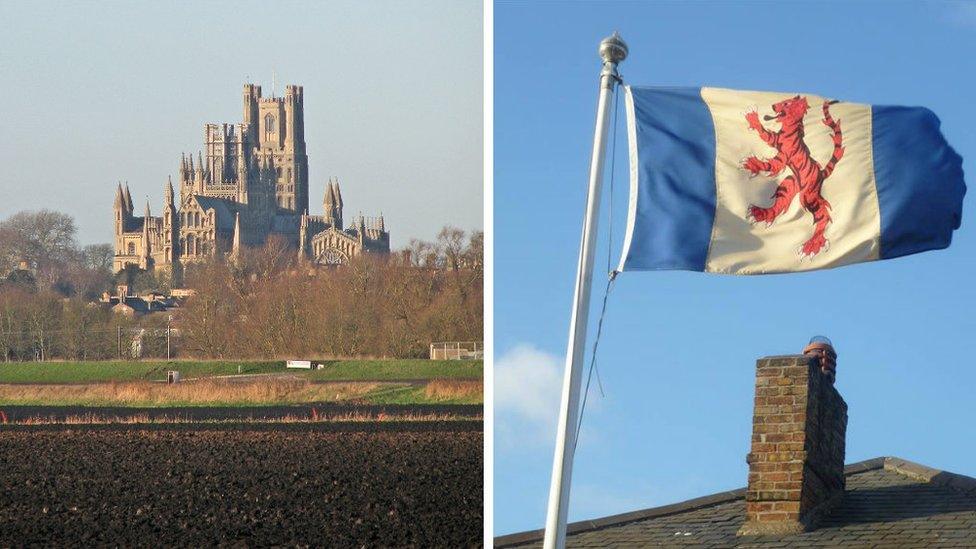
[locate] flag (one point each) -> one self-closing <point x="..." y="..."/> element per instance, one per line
<point x="744" y="182"/>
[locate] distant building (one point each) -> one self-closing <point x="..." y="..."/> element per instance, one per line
<point x="125" y="303"/>
<point x="23" y="275"/>
<point x="252" y="184"/>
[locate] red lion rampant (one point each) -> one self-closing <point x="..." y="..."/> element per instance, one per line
<point x="807" y="177"/>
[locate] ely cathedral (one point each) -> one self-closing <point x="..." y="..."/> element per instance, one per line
<point x="249" y="185"/>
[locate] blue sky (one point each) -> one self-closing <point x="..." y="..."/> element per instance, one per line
<point x="678" y="351"/>
<point x="95" y="92"/>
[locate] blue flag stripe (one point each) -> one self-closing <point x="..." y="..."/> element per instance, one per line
<point x="675" y="209"/>
<point x="919" y="181"/>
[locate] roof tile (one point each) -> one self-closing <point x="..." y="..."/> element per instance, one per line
<point x="889" y="502"/>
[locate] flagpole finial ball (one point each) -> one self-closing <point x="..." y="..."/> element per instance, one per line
<point x="613" y="49"/>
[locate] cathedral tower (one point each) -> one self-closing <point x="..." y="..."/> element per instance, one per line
<point x="119" y="209"/>
<point x="276" y="127"/>
<point x="170" y="224"/>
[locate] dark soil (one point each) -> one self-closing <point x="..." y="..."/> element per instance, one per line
<point x="205" y="487"/>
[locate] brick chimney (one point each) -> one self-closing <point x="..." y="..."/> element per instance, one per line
<point x="796" y="463"/>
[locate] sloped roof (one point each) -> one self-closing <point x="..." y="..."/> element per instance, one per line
<point x="224" y="210"/>
<point x="134" y="224"/>
<point x="889" y="502"/>
<point x="285" y="223"/>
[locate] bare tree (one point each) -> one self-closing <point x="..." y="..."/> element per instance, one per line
<point x="45" y="239"/>
<point x="97" y="257"/>
<point x="451" y="240"/>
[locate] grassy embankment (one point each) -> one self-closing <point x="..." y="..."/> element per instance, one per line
<point x="136" y="383"/>
<point x="155" y="370"/>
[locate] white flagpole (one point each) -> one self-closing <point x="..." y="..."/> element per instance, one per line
<point x="613" y="50"/>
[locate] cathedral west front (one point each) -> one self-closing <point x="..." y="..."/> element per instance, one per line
<point x="250" y="183"/>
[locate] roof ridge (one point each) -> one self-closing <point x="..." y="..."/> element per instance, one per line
<point x="937" y="477"/>
<point x="872" y="464"/>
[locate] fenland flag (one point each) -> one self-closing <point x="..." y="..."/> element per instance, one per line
<point x="743" y="182"/>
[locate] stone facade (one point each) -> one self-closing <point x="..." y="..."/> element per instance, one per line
<point x="251" y="183"/>
<point x="796" y="462"/>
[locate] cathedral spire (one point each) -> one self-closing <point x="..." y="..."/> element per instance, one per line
<point x="119" y="198"/>
<point x="169" y="190"/>
<point x="144" y="262"/>
<point x="199" y="176"/>
<point x="128" y="199"/>
<point x="332" y="204"/>
<point x="302" y="236"/>
<point x="329" y="200"/>
<point x="236" y="246"/>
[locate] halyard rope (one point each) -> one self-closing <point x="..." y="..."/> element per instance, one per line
<point x="611" y="275"/>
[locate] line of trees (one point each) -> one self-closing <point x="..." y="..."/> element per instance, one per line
<point x="261" y="304"/>
<point x="45" y="241"/>
<point x="264" y="305"/>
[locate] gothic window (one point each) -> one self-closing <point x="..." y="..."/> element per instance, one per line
<point x="269" y="127"/>
<point x="132" y="249"/>
<point x="196" y="219"/>
<point x="331" y="256"/>
<point x="191" y="245"/>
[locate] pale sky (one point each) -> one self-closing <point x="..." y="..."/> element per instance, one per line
<point x="99" y="92"/>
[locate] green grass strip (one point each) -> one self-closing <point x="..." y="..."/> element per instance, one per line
<point x="153" y="370"/>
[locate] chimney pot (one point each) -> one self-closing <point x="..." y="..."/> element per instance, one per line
<point x="823" y="349"/>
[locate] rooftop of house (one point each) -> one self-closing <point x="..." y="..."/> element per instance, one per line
<point x="799" y="492"/>
<point x="150" y="302"/>
<point x="888" y="502"/>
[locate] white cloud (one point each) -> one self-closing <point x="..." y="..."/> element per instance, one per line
<point x="600" y="500"/>
<point x="961" y="13"/>
<point x="528" y="382"/>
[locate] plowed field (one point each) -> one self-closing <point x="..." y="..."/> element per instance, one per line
<point x="203" y="487"/>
